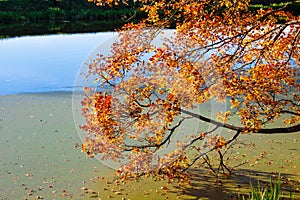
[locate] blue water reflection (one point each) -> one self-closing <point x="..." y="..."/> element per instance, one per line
<point x="44" y="63"/>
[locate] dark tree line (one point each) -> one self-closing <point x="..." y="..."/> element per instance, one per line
<point x="59" y="10"/>
<point x="74" y="10"/>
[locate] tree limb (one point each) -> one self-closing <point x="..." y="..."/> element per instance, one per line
<point x="290" y="129"/>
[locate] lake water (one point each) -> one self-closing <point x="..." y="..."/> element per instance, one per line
<point x="38" y="133"/>
<point x="37" y="130"/>
<point x="44" y="63"/>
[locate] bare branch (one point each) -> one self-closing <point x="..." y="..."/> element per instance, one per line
<point x="291" y="129"/>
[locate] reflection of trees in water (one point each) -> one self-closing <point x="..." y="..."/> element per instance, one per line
<point x="13" y="30"/>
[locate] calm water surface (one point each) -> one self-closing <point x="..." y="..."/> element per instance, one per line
<point x="44" y="63"/>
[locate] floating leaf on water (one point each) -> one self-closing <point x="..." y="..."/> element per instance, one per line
<point x="84" y="188"/>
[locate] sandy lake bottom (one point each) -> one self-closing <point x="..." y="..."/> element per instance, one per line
<point x="38" y="159"/>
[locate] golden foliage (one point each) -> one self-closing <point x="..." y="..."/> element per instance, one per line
<point x="219" y="51"/>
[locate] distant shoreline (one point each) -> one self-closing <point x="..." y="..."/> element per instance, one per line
<point x="86" y="19"/>
<point x="65" y="27"/>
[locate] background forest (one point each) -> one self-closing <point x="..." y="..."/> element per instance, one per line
<point x="74" y="10"/>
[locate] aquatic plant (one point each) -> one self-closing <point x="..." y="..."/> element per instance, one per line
<point x="260" y="193"/>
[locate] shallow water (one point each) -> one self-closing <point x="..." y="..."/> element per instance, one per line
<point x="37" y="140"/>
<point x="38" y="157"/>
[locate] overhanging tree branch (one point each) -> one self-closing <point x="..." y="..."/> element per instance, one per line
<point x="290" y="129"/>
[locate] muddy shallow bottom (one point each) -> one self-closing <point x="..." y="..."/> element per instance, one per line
<point x="38" y="159"/>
